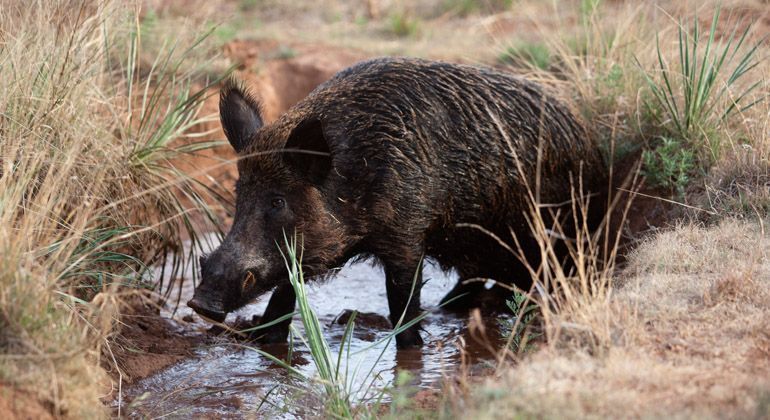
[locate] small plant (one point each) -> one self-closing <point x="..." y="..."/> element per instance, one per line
<point x="226" y="32"/>
<point x="697" y="95"/>
<point x="527" y="54"/>
<point x="526" y="311"/>
<point x="342" y="398"/>
<point x="467" y="7"/>
<point x="361" y="21"/>
<point x="403" y="25"/>
<point x="248" y="5"/>
<point x="588" y="8"/>
<point x="284" y="52"/>
<point x="401" y="391"/>
<point x="670" y="165"/>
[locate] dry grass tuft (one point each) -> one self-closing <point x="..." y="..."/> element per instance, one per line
<point x="89" y="191"/>
<point x="739" y="185"/>
<point x="688" y="333"/>
<point x="733" y="288"/>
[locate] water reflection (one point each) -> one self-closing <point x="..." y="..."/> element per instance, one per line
<point x="226" y="380"/>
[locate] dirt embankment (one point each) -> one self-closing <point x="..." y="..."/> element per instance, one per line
<point x="148" y="343"/>
<point x="282" y="75"/>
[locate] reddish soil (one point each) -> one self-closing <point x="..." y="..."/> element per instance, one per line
<point x="641" y="213"/>
<point x="738" y="16"/>
<point x="16" y="404"/>
<point x="147" y="343"/>
<point x="645" y="208"/>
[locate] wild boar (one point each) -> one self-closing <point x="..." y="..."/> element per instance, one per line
<point x="396" y="159"/>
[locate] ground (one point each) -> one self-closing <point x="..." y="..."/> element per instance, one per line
<point x="688" y="337"/>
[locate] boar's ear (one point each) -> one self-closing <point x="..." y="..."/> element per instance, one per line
<point x="307" y="151"/>
<point x="240" y="113"/>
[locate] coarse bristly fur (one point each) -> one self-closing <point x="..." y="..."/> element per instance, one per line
<point x="397" y="158"/>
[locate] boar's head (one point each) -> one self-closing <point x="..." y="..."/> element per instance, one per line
<point x="282" y="169"/>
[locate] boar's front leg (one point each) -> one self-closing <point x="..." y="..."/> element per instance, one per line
<point x="400" y="277"/>
<point x="281" y="303"/>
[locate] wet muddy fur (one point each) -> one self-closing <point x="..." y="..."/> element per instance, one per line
<point x="396" y="159"/>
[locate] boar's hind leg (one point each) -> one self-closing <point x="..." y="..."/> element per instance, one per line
<point x="399" y="279"/>
<point x="462" y="296"/>
<point x="281" y="303"/>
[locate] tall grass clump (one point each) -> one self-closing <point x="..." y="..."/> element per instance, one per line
<point x="590" y="61"/>
<point x="695" y="97"/>
<point x="696" y="88"/>
<point x="402" y="24"/>
<point x="570" y="298"/>
<point x="90" y="193"/>
<point x="338" y="398"/>
<point x="468" y="7"/>
<point x="526" y="54"/>
<point x="703" y="90"/>
<point x="344" y="393"/>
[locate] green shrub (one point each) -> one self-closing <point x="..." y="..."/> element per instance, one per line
<point x="526" y="312"/>
<point x="402" y="24"/>
<point x="467" y="7"/>
<point x="670" y="165"/>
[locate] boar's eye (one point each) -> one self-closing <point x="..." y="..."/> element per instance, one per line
<point x="278" y="203"/>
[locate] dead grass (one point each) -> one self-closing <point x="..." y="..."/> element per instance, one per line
<point x="89" y="193"/>
<point x="689" y="338"/>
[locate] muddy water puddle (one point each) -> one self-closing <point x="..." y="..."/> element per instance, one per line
<point x="226" y="379"/>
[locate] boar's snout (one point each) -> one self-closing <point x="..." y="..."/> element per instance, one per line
<point x="209" y="297"/>
<point x="230" y="278"/>
<point x="202" y="307"/>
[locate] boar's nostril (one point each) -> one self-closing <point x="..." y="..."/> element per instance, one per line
<point x="202" y="308"/>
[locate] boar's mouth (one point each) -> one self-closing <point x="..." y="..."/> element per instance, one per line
<point x="203" y="308"/>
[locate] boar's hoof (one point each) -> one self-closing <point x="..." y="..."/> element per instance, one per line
<point x="271" y="335"/>
<point x="408" y="339"/>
